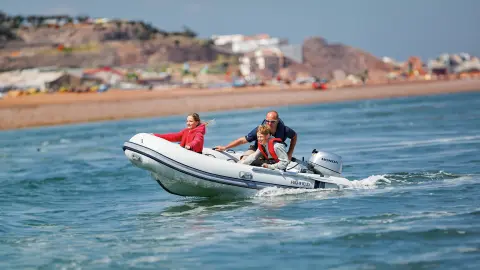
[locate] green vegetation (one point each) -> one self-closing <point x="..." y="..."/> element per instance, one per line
<point x="143" y="30"/>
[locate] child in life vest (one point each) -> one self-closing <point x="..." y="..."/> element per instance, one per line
<point x="271" y="148"/>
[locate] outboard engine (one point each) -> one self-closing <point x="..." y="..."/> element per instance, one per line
<point x="325" y="163"/>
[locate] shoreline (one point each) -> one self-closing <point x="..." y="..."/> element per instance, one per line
<point x="60" y="109"/>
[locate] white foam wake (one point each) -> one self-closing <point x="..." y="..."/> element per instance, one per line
<point x="275" y="191"/>
<point x="370" y="182"/>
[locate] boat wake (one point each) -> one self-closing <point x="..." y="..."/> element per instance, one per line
<point x="379" y="182"/>
<point x="370" y="182"/>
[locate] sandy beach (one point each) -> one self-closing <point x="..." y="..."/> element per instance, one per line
<point x="57" y="109"/>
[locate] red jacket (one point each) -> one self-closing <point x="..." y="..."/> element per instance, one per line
<point x="191" y="137"/>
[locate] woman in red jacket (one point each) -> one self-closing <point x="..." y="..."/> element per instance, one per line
<point x="190" y="138"/>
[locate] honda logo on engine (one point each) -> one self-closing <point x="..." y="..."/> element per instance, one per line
<point x="329" y="160"/>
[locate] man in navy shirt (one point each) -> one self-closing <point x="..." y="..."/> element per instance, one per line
<point x="278" y="130"/>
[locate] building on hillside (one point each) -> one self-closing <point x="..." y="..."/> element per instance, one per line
<point x="154" y="78"/>
<point x="107" y="74"/>
<point x="470" y="67"/>
<point x="44" y="81"/>
<point x="271" y="59"/>
<point x="244" y="44"/>
<point x="28" y="79"/>
<point x="221" y="40"/>
<point x="53" y="23"/>
<point x="446" y="64"/>
<point x="253" y="44"/>
<point x="72" y="80"/>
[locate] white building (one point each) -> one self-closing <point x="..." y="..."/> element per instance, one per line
<point x="244" y="44"/>
<point x="221" y="40"/>
<point x="270" y="59"/>
<point x="31" y="78"/>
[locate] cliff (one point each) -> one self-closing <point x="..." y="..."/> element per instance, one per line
<point x="322" y="59"/>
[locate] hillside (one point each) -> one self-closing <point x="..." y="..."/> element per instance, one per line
<point x="87" y="44"/>
<point x="67" y="42"/>
<point x="322" y="58"/>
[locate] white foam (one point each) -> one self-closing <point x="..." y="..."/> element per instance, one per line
<point x="465" y="179"/>
<point x="274" y="191"/>
<point x="467" y="249"/>
<point x="369" y="182"/>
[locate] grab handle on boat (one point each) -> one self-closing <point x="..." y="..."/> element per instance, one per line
<point x="226" y="150"/>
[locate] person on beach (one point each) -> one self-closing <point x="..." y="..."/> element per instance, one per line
<point x="277" y="128"/>
<point x="192" y="137"/>
<point x="272" y="150"/>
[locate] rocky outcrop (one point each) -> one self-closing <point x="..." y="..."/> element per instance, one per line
<point x="323" y="58"/>
<point x="116" y="53"/>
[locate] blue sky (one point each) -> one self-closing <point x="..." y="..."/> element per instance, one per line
<point x="398" y="29"/>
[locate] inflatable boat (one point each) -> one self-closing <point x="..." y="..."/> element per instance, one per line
<point x="214" y="173"/>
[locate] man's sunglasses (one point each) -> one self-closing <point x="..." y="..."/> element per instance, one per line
<point x="270" y="121"/>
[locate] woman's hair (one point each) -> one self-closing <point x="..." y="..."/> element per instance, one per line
<point x="263" y="129"/>
<point x="196" y="117"/>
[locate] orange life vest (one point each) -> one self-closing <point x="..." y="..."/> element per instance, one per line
<point x="271" y="150"/>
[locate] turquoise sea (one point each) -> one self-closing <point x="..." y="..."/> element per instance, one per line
<point x="69" y="198"/>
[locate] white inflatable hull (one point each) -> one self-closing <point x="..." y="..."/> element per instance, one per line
<point x="212" y="174"/>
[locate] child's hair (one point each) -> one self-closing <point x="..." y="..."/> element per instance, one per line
<point x="196" y="117"/>
<point x="263" y="129"/>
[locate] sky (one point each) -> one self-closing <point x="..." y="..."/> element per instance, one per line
<point x="397" y="29"/>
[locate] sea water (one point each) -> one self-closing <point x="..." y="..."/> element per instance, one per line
<point x="69" y="198"/>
